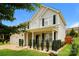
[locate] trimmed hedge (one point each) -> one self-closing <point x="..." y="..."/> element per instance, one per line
<point x="74" y="50"/>
<point x="56" y="44"/>
<point x="34" y="43"/>
<point x="37" y="44"/>
<point x="30" y="42"/>
<point x="47" y="45"/>
<point x="42" y="45"/>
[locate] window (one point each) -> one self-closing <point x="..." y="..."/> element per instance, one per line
<point x="54" y="19"/>
<point x="43" y="22"/>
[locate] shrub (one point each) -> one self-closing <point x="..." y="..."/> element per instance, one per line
<point x="72" y="33"/>
<point x="37" y="44"/>
<point x="42" y="45"/>
<point x="30" y="43"/>
<point x="34" y="43"/>
<point x="47" y="45"/>
<point x="68" y="39"/>
<point x="56" y="44"/>
<point x="73" y="50"/>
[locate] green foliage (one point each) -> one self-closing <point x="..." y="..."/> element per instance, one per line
<point x="47" y="45"/>
<point x="74" y="50"/>
<point x="37" y="44"/>
<point x="7" y="10"/>
<point x="56" y="44"/>
<point x="30" y="42"/>
<point x="66" y="50"/>
<point x="76" y="41"/>
<point x="73" y="33"/>
<point x="34" y="43"/>
<point x="42" y="44"/>
<point x="7" y="30"/>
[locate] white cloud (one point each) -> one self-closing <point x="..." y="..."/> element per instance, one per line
<point x="75" y="25"/>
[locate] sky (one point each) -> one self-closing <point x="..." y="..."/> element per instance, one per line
<point x="70" y="11"/>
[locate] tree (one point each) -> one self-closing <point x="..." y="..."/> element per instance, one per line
<point x="7" y="10"/>
<point x="22" y="26"/>
<point x="72" y="32"/>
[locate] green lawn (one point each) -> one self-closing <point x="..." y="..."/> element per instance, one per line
<point x="7" y="52"/>
<point x="67" y="49"/>
<point x="76" y="41"/>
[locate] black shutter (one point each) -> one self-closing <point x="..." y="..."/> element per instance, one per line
<point x="43" y="36"/>
<point x="43" y="22"/>
<point x="54" y="19"/>
<point x="54" y="35"/>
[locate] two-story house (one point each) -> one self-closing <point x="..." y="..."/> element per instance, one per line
<point x="46" y="24"/>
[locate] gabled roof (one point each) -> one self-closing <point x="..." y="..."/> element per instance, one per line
<point x="54" y="10"/>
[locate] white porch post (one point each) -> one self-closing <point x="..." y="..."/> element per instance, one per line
<point x="52" y="35"/>
<point x="3" y="36"/>
<point x="32" y="38"/>
<point x="27" y="40"/>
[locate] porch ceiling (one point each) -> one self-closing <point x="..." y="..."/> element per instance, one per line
<point x="43" y="29"/>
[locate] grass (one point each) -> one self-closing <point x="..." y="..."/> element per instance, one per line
<point x="7" y="52"/>
<point x="65" y="51"/>
<point x="76" y="41"/>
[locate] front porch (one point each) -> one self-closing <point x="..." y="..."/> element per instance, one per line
<point x="39" y="38"/>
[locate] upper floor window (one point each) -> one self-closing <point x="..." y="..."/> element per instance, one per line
<point x="43" y="22"/>
<point x="54" y="19"/>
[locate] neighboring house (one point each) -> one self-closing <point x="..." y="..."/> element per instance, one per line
<point x="14" y="38"/>
<point x="46" y="24"/>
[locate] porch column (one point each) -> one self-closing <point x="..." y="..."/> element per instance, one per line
<point x="52" y="35"/>
<point x="3" y="36"/>
<point x="27" y="40"/>
<point x="32" y="38"/>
